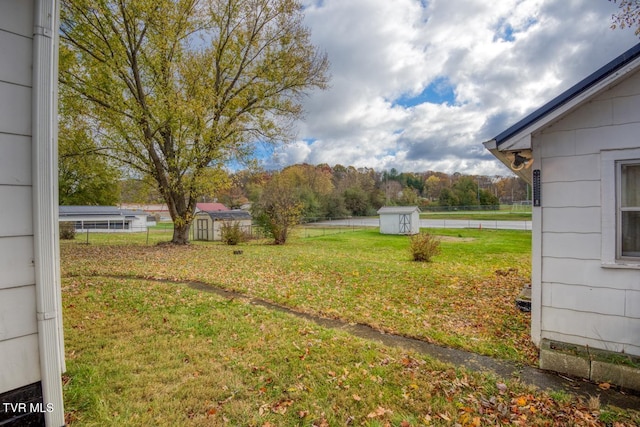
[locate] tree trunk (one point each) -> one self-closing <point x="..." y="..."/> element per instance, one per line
<point x="181" y="214"/>
<point x="181" y="233"/>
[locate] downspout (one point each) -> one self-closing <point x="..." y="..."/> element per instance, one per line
<point x="45" y="208"/>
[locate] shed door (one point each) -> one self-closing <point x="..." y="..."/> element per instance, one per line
<point x="405" y="224"/>
<point x="202" y="229"/>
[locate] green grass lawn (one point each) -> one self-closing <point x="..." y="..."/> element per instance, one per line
<point x="142" y="352"/>
<point x="364" y="277"/>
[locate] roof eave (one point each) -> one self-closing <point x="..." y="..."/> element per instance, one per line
<point x="492" y="146"/>
<point x="512" y="139"/>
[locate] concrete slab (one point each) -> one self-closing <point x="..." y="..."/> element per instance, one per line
<point x="624" y="376"/>
<point x="565" y="363"/>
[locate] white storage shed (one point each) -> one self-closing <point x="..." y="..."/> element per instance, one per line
<point x="207" y="225"/>
<point x="399" y="219"/>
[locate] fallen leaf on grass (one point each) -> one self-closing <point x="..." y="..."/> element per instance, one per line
<point x="379" y="412"/>
<point x="444" y="417"/>
<point x="604" y="386"/>
<point x="281" y="406"/>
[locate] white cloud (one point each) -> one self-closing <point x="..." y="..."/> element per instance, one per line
<point x="503" y="60"/>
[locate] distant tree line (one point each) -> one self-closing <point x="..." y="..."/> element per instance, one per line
<point x="339" y="191"/>
<point x="324" y="191"/>
<point x="320" y="191"/>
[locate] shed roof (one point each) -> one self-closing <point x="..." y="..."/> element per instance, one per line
<point x="590" y="81"/>
<point x="228" y="215"/>
<point x="88" y="210"/>
<point x="76" y="211"/>
<point x="398" y="210"/>
<point x="209" y="207"/>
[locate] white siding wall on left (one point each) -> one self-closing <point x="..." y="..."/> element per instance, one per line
<point x="31" y="342"/>
<point x="18" y="328"/>
<point x="582" y="301"/>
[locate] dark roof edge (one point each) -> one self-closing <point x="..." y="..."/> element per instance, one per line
<point x="571" y="93"/>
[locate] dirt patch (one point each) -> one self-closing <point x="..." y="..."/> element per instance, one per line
<point x="456" y="239"/>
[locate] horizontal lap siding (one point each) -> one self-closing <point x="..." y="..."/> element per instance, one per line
<point x="582" y="302"/>
<point x="16" y="262"/>
<point x="15" y="321"/>
<point x="606" y="301"/>
<point x="18" y="328"/>
<point x="590" y="325"/>
<point x="572" y="245"/>
<point x="15" y="210"/>
<point x="614" y="333"/>
<point x="16" y="152"/>
<point x="15" y="115"/>
<point x="572" y="271"/>
<point x="20" y="362"/>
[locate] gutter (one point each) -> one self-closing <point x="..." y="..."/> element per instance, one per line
<point x="45" y="208"/>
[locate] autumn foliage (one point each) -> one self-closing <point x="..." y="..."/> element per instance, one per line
<point x="279" y="209"/>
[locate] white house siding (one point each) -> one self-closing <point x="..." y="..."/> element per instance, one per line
<point x="18" y="327"/>
<point x="583" y="302"/>
<point x="31" y="347"/>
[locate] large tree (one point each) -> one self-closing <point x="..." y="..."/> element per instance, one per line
<point x="176" y="88"/>
<point x="84" y="177"/>
<point x="628" y="15"/>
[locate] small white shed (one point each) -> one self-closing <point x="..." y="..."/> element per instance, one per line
<point x="207" y="225"/>
<point x="399" y="219"/>
<point x="581" y="152"/>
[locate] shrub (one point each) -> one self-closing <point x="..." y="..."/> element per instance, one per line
<point x="424" y="246"/>
<point x="67" y="231"/>
<point x="278" y="210"/>
<point x="232" y="233"/>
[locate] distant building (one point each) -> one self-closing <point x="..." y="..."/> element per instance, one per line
<point x="103" y="219"/>
<point x="399" y="220"/>
<point x="159" y="210"/>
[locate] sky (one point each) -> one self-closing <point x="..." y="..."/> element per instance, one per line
<point x="418" y="85"/>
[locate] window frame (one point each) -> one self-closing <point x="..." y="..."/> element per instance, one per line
<point x="611" y="196"/>
<point x="621" y="209"/>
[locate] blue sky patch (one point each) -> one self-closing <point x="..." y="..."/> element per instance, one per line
<point x="440" y="91"/>
<point x="506" y="32"/>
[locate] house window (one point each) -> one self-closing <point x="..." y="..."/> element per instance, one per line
<point x="620" y="195"/>
<point x="628" y="209"/>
